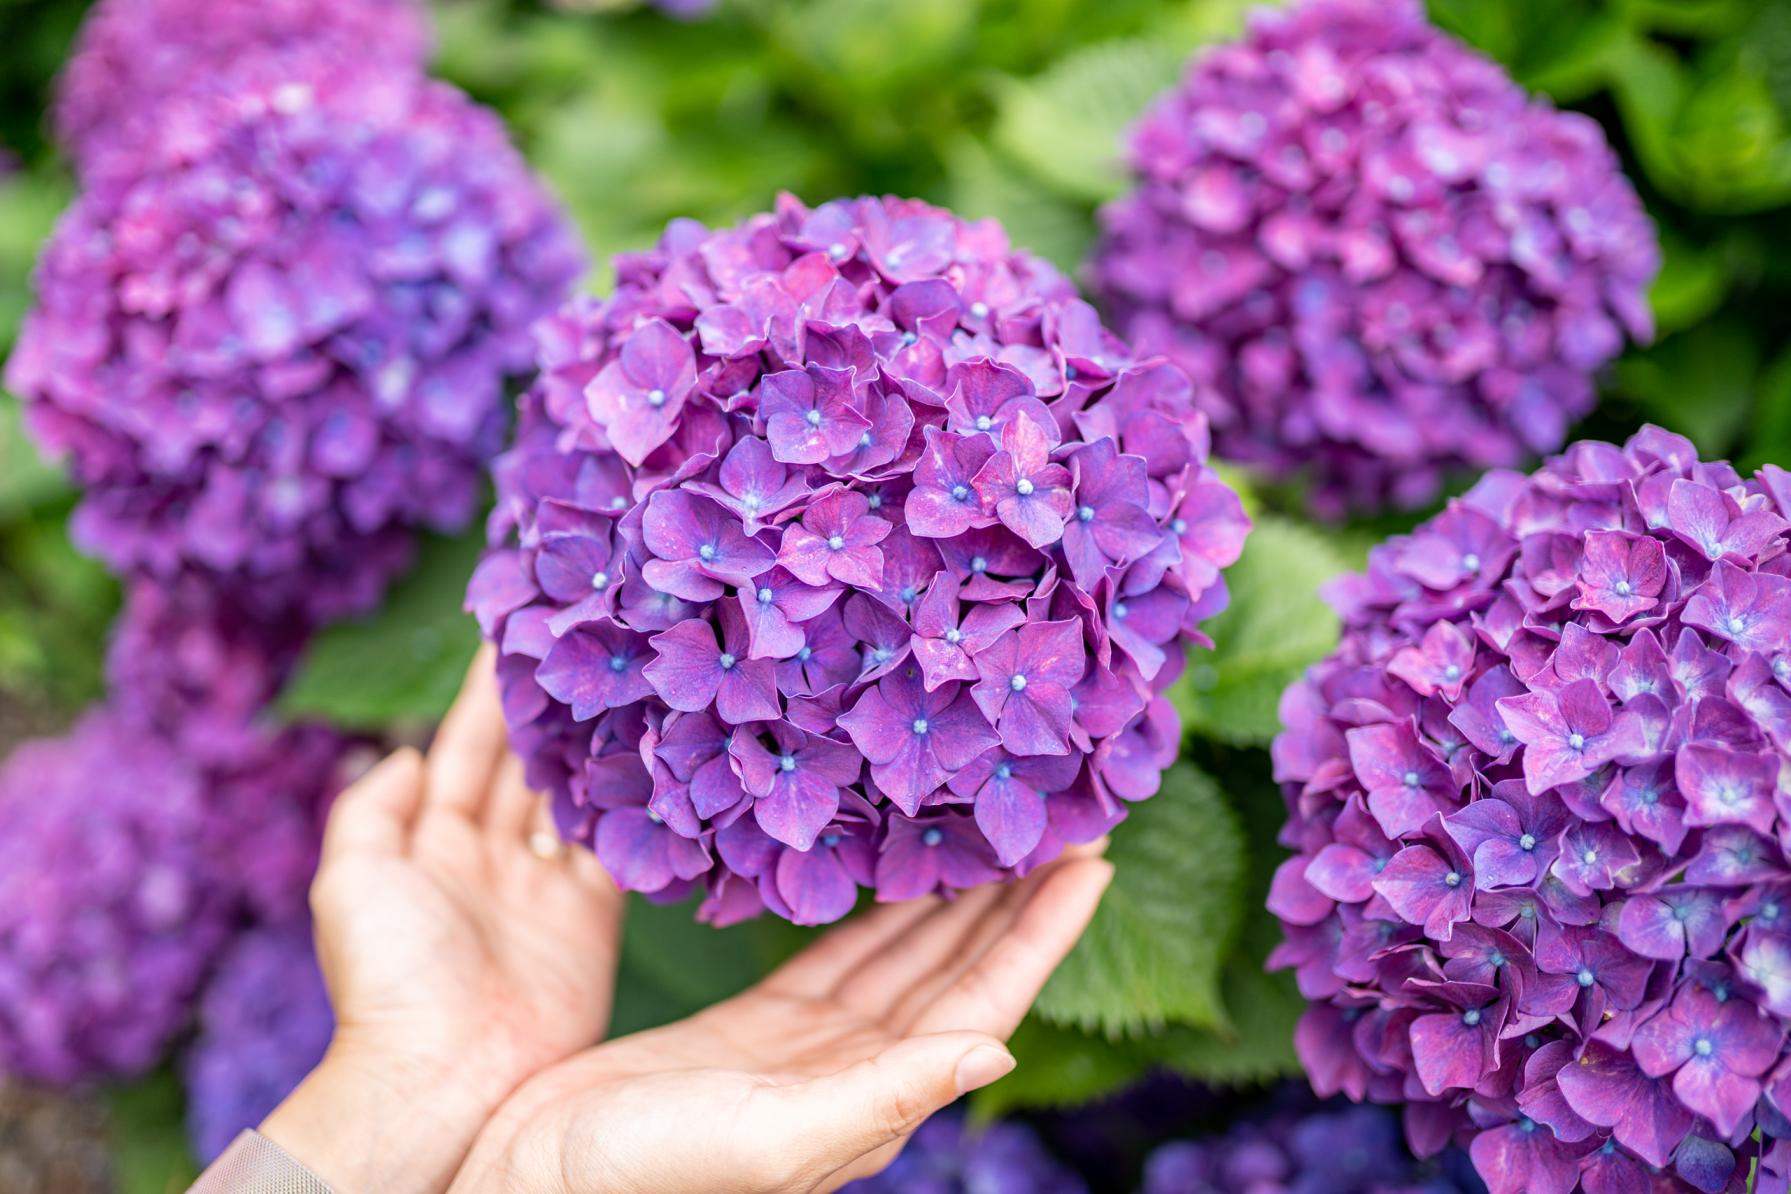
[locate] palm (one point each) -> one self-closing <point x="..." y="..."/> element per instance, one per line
<point x="760" y="1076"/>
<point x="440" y="928"/>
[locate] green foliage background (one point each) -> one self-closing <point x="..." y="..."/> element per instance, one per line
<point x="1008" y="108"/>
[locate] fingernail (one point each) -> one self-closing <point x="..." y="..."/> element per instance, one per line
<point x="981" y="1066"/>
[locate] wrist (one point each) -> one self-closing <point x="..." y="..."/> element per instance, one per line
<point x="370" y="1122"/>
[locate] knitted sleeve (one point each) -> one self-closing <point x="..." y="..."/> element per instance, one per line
<point x="253" y="1164"/>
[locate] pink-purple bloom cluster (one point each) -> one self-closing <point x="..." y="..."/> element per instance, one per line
<point x="132" y="54"/>
<point x="1347" y="1150"/>
<point x="280" y="343"/>
<point x="107" y="922"/>
<point x="264" y="1022"/>
<point x="842" y="549"/>
<point x="1541" y="884"/>
<point x="947" y="1156"/>
<point x="1378" y="258"/>
<point x="128" y="861"/>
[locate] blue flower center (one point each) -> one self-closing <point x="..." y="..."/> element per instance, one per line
<point x="600" y="580"/>
<point x="1527" y="842"/>
<point x="1017" y="682"/>
<point x="1452" y="672"/>
<point x="960" y="493"/>
<point x="1411" y="779"/>
<point x="1121" y="609"/>
<point x="874" y="500"/>
<point x="830" y="840"/>
<point x="787" y="762"/>
<point x="1496" y="959"/>
<point x="765" y="596"/>
<point x="836" y="542"/>
<point x="1624" y="588"/>
<point x="954" y="636"/>
<point x="932" y="837"/>
<point x="908" y="594"/>
<point x="1085" y="514"/>
<point x="1452" y="879"/>
<point x="727" y="661"/>
<point x="920" y="725"/>
<point x="864" y="441"/>
<point x="1004" y="770"/>
<point x="813" y="418"/>
<point x="1179" y="525"/>
<point x="1589" y="857"/>
<point x="1071" y="373"/>
<point x="706" y="551"/>
<point x="1584" y="977"/>
<point x="1470" y="563"/>
<point x="979" y="310"/>
<point x="1703" y="1047"/>
<point x="618" y="663"/>
<point x="984" y="422"/>
<point x="656" y="398"/>
<point x="1736" y="625"/>
<point x="805" y="653"/>
<point x="1471" y="1017"/>
<point x="908" y="338"/>
<point x="1576" y="740"/>
<point x="1769" y="910"/>
<point x="1023" y="487"/>
<point x="979" y="564"/>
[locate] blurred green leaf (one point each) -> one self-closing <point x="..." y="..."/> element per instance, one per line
<point x="1691" y="285"/>
<point x="29" y="203"/>
<point x="1062" y="1067"/>
<point x="1770" y="438"/>
<point x="27" y="480"/>
<point x="1257" y="1045"/>
<point x="1274" y="628"/>
<point x="981" y="185"/>
<point x="404" y="663"/>
<point x="148" y="1143"/>
<point x="1065" y="126"/>
<point x="55" y="606"/>
<point x="1154" y="952"/>
<point x="1699" y="383"/>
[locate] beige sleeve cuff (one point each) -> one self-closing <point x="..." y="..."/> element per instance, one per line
<point x="253" y="1164"/>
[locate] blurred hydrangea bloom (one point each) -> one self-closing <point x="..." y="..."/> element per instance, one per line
<point x="107" y="915"/>
<point x="1349" y="1150"/>
<point x="264" y="1022"/>
<point x="133" y="54"/>
<point x="841" y="549"/>
<point x="1379" y="260"/>
<point x="1537" y="800"/>
<point x="281" y="344"/>
<point x="947" y="1157"/>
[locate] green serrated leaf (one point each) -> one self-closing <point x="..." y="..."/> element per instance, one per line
<point x="1275" y="627"/>
<point x="1061" y="1067"/>
<point x="404" y="663"/>
<point x="1065" y="125"/>
<point x="1154" y="952"/>
<point x="1257" y="1045"/>
<point x="149" y="1149"/>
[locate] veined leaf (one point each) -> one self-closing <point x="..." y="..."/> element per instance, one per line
<point x="1275" y="626"/>
<point x="1155" y="950"/>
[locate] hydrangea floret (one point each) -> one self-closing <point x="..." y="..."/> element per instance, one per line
<point x="1537" y="800"/>
<point x="281" y="344"/>
<point x="131" y="55"/>
<point x="1379" y="259"/>
<point x="948" y="1156"/>
<point x="845" y="548"/>
<point x="264" y="1022"/>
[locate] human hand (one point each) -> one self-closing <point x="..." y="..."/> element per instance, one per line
<point x="814" y="1077"/>
<point x="461" y="956"/>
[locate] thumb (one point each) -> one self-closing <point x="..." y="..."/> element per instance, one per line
<point x="883" y="1099"/>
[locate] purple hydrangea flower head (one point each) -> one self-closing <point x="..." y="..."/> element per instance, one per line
<point x="844" y="549"/>
<point x="133" y="54"/>
<point x="1538" y="803"/>
<point x="1378" y="258"/>
<point x="109" y="914"/>
<point x="278" y="342"/>
<point x="264" y="1022"/>
<point x="947" y="1156"/>
<point x="1301" y="1150"/>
